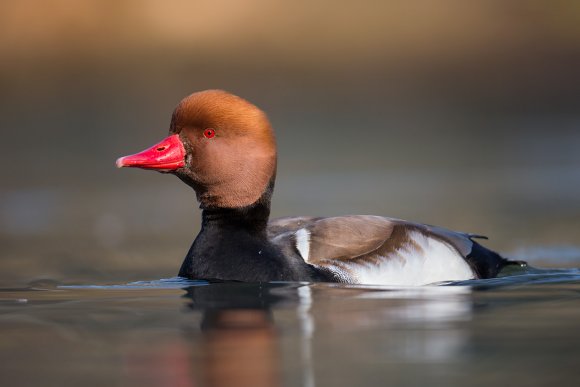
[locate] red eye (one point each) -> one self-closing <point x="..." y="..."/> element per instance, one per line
<point x="209" y="133"/>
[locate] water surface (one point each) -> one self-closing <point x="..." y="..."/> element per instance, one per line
<point x="521" y="329"/>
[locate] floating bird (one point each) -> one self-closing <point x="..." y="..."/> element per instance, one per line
<point x="224" y="148"/>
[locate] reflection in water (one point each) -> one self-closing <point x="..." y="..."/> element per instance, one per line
<point x="168" y="365"/>
<point x="439" y="308"/>
<point x="428" y="321"/>
<point x="239" y="343"/>
<point x="432" y="304"/>
<point x="240" y="348"/>
<point x="307" y="326"/>
<point x="149" y="333"/>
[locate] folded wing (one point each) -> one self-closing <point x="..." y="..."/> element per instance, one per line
<point x="379" y="250"/>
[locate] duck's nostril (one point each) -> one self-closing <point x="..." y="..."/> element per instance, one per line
<point x="161" y="148"/>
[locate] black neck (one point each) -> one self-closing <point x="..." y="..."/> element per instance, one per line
<point x="232" y="243"/>
<point x="252" y="219"/>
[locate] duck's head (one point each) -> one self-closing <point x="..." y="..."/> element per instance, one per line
<point x="219" y="144"/>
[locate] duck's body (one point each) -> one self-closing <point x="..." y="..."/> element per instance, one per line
<point x="357" y="249"/>
<point x="224" y="148"/>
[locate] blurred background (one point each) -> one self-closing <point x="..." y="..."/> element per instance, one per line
<point x="461" y="114"/>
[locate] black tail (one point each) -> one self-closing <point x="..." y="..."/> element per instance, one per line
<point x="488" y="264"/>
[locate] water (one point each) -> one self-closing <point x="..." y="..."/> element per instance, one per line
<point x="463" y="116"/>
<point x="520" y="329"/>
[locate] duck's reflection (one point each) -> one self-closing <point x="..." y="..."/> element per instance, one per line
<point x="325" y="327"/>
<point x="240" y="343"/>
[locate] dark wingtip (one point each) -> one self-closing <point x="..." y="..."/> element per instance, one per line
<point x="477" y="236"/>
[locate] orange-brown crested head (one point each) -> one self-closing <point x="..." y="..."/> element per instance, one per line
<point x="228" y="146"/>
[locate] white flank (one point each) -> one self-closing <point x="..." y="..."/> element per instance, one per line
<point x="303" y="243"/>
<point x="434" y="261"/>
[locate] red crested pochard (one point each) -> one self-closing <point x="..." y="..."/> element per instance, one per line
<point x="224" y="148"/>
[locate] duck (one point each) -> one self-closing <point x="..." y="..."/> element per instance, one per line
<point x="224" y="147"/>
